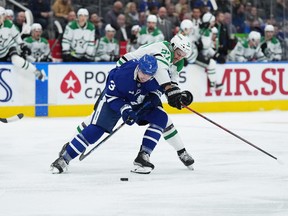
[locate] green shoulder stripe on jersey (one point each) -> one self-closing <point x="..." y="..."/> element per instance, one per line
<point x="8" y="24"/>
<point x="106" y="40"/>
<point x="90" y="26"/>
<point x="28" y="39"/>
<point x="156" y="32"/>
<point x="180" y="65"/>
<point x="73" y="25"/>
<point x="274" y="40"/>
<point x="245" y="43"/>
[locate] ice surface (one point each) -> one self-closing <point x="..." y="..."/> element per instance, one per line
<point x="230" y="177"/>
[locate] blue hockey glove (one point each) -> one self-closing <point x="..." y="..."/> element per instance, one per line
<point x="128" y="115"/>
<point x="186" y="98"/>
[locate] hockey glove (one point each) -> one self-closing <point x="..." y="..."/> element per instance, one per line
<point x="219" y="58"/>
<point x="66" y="56"/>
<point x="186" y="98"/>
<point x="128" y="115"/>
<point x="25" y="50"/>
<point x="174" y="97"/>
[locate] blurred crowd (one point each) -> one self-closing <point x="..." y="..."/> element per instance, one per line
<point x="240" y="30"/>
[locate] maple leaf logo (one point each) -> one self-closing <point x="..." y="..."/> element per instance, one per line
<point x="70" y="84"/>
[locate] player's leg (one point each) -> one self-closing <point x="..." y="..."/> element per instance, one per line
<point x="172" y="136"/>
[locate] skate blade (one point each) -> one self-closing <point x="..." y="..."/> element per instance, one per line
<point x="141" y="170"/>
<point x="55" y="170"/>
<point x="190" y="167"/>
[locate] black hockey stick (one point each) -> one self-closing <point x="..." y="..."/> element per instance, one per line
<point x="239" y="137"/>
<point x="83" y="155"/>
<point x="12" y="118"/>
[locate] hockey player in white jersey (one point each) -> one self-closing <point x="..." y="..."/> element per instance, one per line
<point x="248" y="50"/>
<point x="108" y="46"/>
<point x="39" y="46"/>
<point x="169" y="56"/>
<point x="78" y="39"/>
<point x="203" y="53"/>
<point x="10" y="38"/>
<point x="150" y="33"/>
<point x="270" y="45"/>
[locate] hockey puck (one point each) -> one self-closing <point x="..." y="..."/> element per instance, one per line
<point x="124" y="179"/>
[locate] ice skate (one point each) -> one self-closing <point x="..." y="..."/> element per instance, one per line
<point x="40" y="75"/>
<point x="60" y="165"/>
<point x="186" y="159"/>
<point x="142" y="164"/>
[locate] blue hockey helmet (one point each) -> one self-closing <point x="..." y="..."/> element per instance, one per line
<point x="148" y="64"/>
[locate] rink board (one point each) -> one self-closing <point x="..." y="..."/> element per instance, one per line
<point x="72" y="89"/>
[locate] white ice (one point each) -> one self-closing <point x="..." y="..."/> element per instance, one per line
<point x="230" y="176"/>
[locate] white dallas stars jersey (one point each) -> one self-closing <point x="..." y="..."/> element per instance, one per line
<point x="79" y="42"/>
<point x="39" y="48"/>
<point x="9" y="36"/>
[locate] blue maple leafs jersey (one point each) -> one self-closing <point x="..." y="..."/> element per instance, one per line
<point x="123" y="88"/>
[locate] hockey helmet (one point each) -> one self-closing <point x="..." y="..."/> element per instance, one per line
<point x="208" y="18"/>
<point x="182" y="42"/>
<point x="269" y="28"/>
<point x="254" y="36"/>
<point x="2" y="11"/>
<point x="152" y="18"/>
<point x="148" y="64"/>
<point x="186" y="26"/>
<point x="108" y="27"/>
<point x="214" y="30"/>
<point x="9" y="12"/>
<point x="82" y="11"/>
<point x="36" y="27"/>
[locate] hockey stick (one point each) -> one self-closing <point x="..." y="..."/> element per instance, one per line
<point x="12" y="118"/>
<point x="214" y="5"/>
<point x="83" y="156"/>
<point x="60" y="33"/>
<point x="244" y="140"/>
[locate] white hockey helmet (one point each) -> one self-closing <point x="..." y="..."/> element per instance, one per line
<point x="9" y="12"/>
<point x="182" y="42"/>
<point x="36" y="27"/>
<point x="135" y="28"/>
<point x="2" y="11"/>
<point x="108" y="27"/>
<point x="152" y="18"/>
<point x="269" y="28"/>
<point x="82" y="11"/>
<point x="186" y="26"/>
<point x="254" y="36"/>
<point x="208" y="18"/>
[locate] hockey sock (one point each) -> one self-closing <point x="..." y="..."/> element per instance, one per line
<point x="211" y="71"/>
<point x="22" y="63"/>
<point x="88" y="136"/>
<point x="151" y="138"/>
<point x="172" y="137"/>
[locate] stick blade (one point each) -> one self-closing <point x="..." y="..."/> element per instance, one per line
<point x="214" y="5"/>
<point x="12" y="118"/>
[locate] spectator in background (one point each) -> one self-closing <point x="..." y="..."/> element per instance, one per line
<point x="71" y="16"/>
<point x="142" y="19"/>
<point x="180" y="5"/>
<point x="145" y="5"/>
<point x="9" y="14"/>
<point x="98" y="24"/>
<point x="108" y="46"/>
<point x="270" y="45"/>
<point x="131" y="14"/>
<point x="164" y="24"/>
<point x="39" y="46"/>
<point x="78" y="39"/>
<point x="238" y="19"/>
<point x="150" y="33"/>
<point x="173" y="17"/>
<point x="111" y="16"/>
<point x="222" y="35"/>
<point x="123" y="33"/>
<point x="281" y="10"/>
<point x="20" y="22"/>
<point x="61" y="8"/>
<point x="41" y="11"/>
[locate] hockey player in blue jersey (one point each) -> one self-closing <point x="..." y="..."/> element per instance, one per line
<point x="128" y="87"/>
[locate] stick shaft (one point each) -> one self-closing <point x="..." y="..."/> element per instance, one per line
<point x="239" y="137"/>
